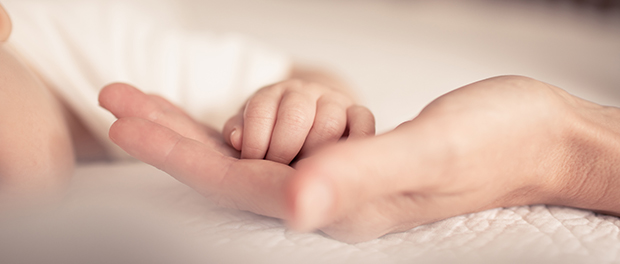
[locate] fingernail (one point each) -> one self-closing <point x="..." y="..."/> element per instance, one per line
<point x="235" y="139"/>
<point x="313" y="205"/>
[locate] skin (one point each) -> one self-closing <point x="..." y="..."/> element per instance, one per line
<point x="161" y="134"/>
<point x="5" y="25"/>
<point x="204" y="158"/>
<point x="501" y="142"/>
<point x="36" y="157"/>
<point x="42" y="138"/>
<point x="294" y="118"/>
<point x="504" y="141"/>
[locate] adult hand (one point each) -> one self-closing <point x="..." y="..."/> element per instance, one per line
<point x="158" y="133"/>
<point x="504" y="141"/>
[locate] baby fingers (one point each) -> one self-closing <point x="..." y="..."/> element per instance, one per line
<point x="295" y="118"/>
<point x="259" y="118"/>
<point x="360" y="121"/>
<point x="233" y="131"/>
<point x="330" y="123"/>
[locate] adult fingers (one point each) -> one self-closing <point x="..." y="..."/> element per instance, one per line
<point x="295" y="118"/>
<point x="253" y="185"/>
<point x="124" y="100"/>
<point x="360" y="121"/>
<point x="340" y="178"/>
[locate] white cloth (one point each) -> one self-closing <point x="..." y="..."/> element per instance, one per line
<point x="78" y="47"/>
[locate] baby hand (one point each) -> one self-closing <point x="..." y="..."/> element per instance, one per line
<point x="293" y="118"/>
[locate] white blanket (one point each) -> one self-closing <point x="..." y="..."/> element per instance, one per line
<point x="133" y="213"/>
<point x="552" y="234"/>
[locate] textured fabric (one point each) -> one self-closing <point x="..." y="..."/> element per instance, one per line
<point x="136" y="202"/>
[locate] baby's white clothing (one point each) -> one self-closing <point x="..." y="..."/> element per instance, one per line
<point x="80" y="46"/>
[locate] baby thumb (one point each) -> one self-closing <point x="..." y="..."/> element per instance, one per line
<point x="233" y="131"/>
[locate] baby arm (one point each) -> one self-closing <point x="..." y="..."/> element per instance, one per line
<point x="36" y="156"/>
<point x="294" y="117"/>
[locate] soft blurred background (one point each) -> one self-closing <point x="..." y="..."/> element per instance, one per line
<point x="418" y="50"/>
<point x="400" y="55"/>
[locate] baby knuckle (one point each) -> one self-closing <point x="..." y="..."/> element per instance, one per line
<point x="258" y="112"/>
<point x="295" y="118"/>
<point x="329" y="127"/>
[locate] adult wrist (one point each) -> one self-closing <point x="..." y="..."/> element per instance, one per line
<point x="588" y="168"/>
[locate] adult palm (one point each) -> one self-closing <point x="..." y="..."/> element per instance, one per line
<point x="157" y="132"/>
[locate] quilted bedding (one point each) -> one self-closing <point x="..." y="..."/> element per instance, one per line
<point x="133" y="213"/>
<point x="520" y="234"/>
<point x="400" y="55"/>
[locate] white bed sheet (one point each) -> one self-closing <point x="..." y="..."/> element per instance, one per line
<point x="525" y="234"/>
<point x="401" y="55"/>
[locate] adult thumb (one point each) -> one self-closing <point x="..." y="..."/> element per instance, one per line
<point x="348" y="175"/>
